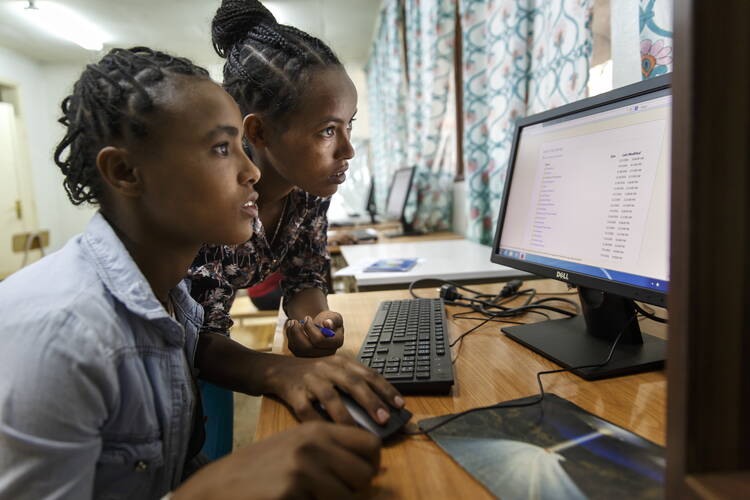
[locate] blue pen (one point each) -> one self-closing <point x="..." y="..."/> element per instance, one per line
<point x="327" y="332"/>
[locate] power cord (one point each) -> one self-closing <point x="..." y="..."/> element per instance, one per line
<point x="540" y="396"/>
<point x="647" y="314"/>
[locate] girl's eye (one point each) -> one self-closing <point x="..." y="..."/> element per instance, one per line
<point x="222" y="149"/>
<point x="350" y="125"/>
<point x="329" y="132"/>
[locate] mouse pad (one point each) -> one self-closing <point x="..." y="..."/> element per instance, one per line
<point x="552" y="450"/>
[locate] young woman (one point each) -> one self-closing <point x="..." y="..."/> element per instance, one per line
<point x="298" y="106"/>
<point x="97" y="391"/>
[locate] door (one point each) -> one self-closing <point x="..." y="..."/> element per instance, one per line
<point x="12" y="217"/>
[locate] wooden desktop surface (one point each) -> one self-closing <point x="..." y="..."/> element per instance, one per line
<point x="490" y="368"/>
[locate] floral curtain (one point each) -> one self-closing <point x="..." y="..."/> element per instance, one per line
<point x="656" y="37"/>
<point x="519" y="57"/>
<point x="412" y="108"/>
<point x="430" y="37"/>
<point x="386" y="81"/>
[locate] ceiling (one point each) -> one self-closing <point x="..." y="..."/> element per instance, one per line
<point x="182" y="27"/>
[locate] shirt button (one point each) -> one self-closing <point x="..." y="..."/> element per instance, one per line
<point x="141" y="466"/>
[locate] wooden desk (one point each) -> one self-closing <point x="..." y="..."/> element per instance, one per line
<point x="490" y="368"/>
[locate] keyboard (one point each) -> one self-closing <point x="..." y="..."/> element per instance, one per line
<point x="408" y="344"/>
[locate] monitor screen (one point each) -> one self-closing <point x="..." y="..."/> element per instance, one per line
<point x="588" y="193"/>
<point x="586" y="201"/>
<point x="399" y="192"/>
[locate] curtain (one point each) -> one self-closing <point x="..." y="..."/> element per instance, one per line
<point x="430" y="37"/>
<point x="656" y="37"/>
<point x="386" y="82"/>
<point x="412" y="109"/>
<point x="519" y="57"/>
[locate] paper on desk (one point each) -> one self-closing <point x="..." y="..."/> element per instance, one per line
<point x="359" y="267"/>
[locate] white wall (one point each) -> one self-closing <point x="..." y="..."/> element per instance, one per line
<point x="41" y="89"/>
<point x="361" y="128"/>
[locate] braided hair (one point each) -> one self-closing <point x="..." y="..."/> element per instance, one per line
<point x="111" y="98"/>
<point x="267" y="63"/>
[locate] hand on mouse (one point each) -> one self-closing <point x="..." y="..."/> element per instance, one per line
<point x="314" y="460"/>
<point x="309" y="340"/>
<point x="300" y="381"/>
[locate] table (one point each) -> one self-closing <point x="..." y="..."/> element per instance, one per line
<point x="458" y="260"/>
<point x="490" y="368"/>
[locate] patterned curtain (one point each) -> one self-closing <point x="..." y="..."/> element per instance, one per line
<point x="656" y="37"/>
<point x="430" y="37"/>
<point x="519" y="57"/>
<point x="386" y="81"/>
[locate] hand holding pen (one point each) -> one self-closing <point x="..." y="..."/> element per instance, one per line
<point x="314" y="337"/>
<point x="326" y="331"/>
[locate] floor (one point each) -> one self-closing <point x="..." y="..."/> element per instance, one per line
<point x="253" y="329"/>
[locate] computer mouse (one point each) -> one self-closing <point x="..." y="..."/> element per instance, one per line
<point x="399" y="417"/>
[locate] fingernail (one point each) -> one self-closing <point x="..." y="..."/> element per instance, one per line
<point x="382" y="415"/>
<point x="399" y="402"/>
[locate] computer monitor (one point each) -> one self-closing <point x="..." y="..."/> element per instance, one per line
<point x="371" y="207"/>
<point x="398" y="195"/>
<point x="356" y="219"/>
<point x="586" y="201"/>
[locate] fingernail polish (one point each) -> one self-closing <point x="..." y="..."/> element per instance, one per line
<point x="382" y="415"/>
<point x="399" y="401"/>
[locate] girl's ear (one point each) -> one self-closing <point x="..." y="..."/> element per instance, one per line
<point x="118" y="173"/>
<point x="255" y="130"/>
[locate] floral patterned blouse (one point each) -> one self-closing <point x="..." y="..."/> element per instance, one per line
<point x="300" y="254"/>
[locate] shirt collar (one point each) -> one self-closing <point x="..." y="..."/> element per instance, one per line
<point x="122" y="277"/>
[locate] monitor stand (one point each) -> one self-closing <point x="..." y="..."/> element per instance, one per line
<point x="587" y="339"/>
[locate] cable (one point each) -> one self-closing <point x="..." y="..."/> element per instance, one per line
<point x="648" y="314"/>
<point x="541" y="394"/>
<point x="494" y="307"/>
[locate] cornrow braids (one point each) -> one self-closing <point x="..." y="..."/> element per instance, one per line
<point x="111" y="97"/>
<point x="267" y="63"/>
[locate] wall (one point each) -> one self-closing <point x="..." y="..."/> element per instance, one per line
<point x="361" y="129"/>
<point x="41" y="89"/>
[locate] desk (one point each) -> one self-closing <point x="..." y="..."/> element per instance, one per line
<point x="457" y="260"/>
<point x="383" y="228"/>
<point x="489" y="368"/>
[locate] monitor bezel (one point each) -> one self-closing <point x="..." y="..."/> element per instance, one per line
<point x="577" y="279"/>
<point x="401" y="215"/>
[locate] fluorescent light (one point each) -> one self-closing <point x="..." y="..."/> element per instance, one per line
<point x="62" y="22"/>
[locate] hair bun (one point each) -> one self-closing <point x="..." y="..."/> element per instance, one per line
<point x="234" y="19"/>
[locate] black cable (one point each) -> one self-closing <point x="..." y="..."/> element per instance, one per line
<point x="505" y="311"/>
<point x="648" y="314"/>
<point x="539" y="381"/>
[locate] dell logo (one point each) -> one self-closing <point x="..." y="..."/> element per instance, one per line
<point x="561" y="275"/>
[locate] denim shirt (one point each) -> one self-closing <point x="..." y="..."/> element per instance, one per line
<point x="96" y="379"/>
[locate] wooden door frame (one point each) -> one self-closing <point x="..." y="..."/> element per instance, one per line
<point x="708" y="431"/>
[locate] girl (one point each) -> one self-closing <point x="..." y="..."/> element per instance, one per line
<point x="298" y="106"/>
<point x="97" y="392"/>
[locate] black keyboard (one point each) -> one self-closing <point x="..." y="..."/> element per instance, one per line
<point x="408" y="344"/>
